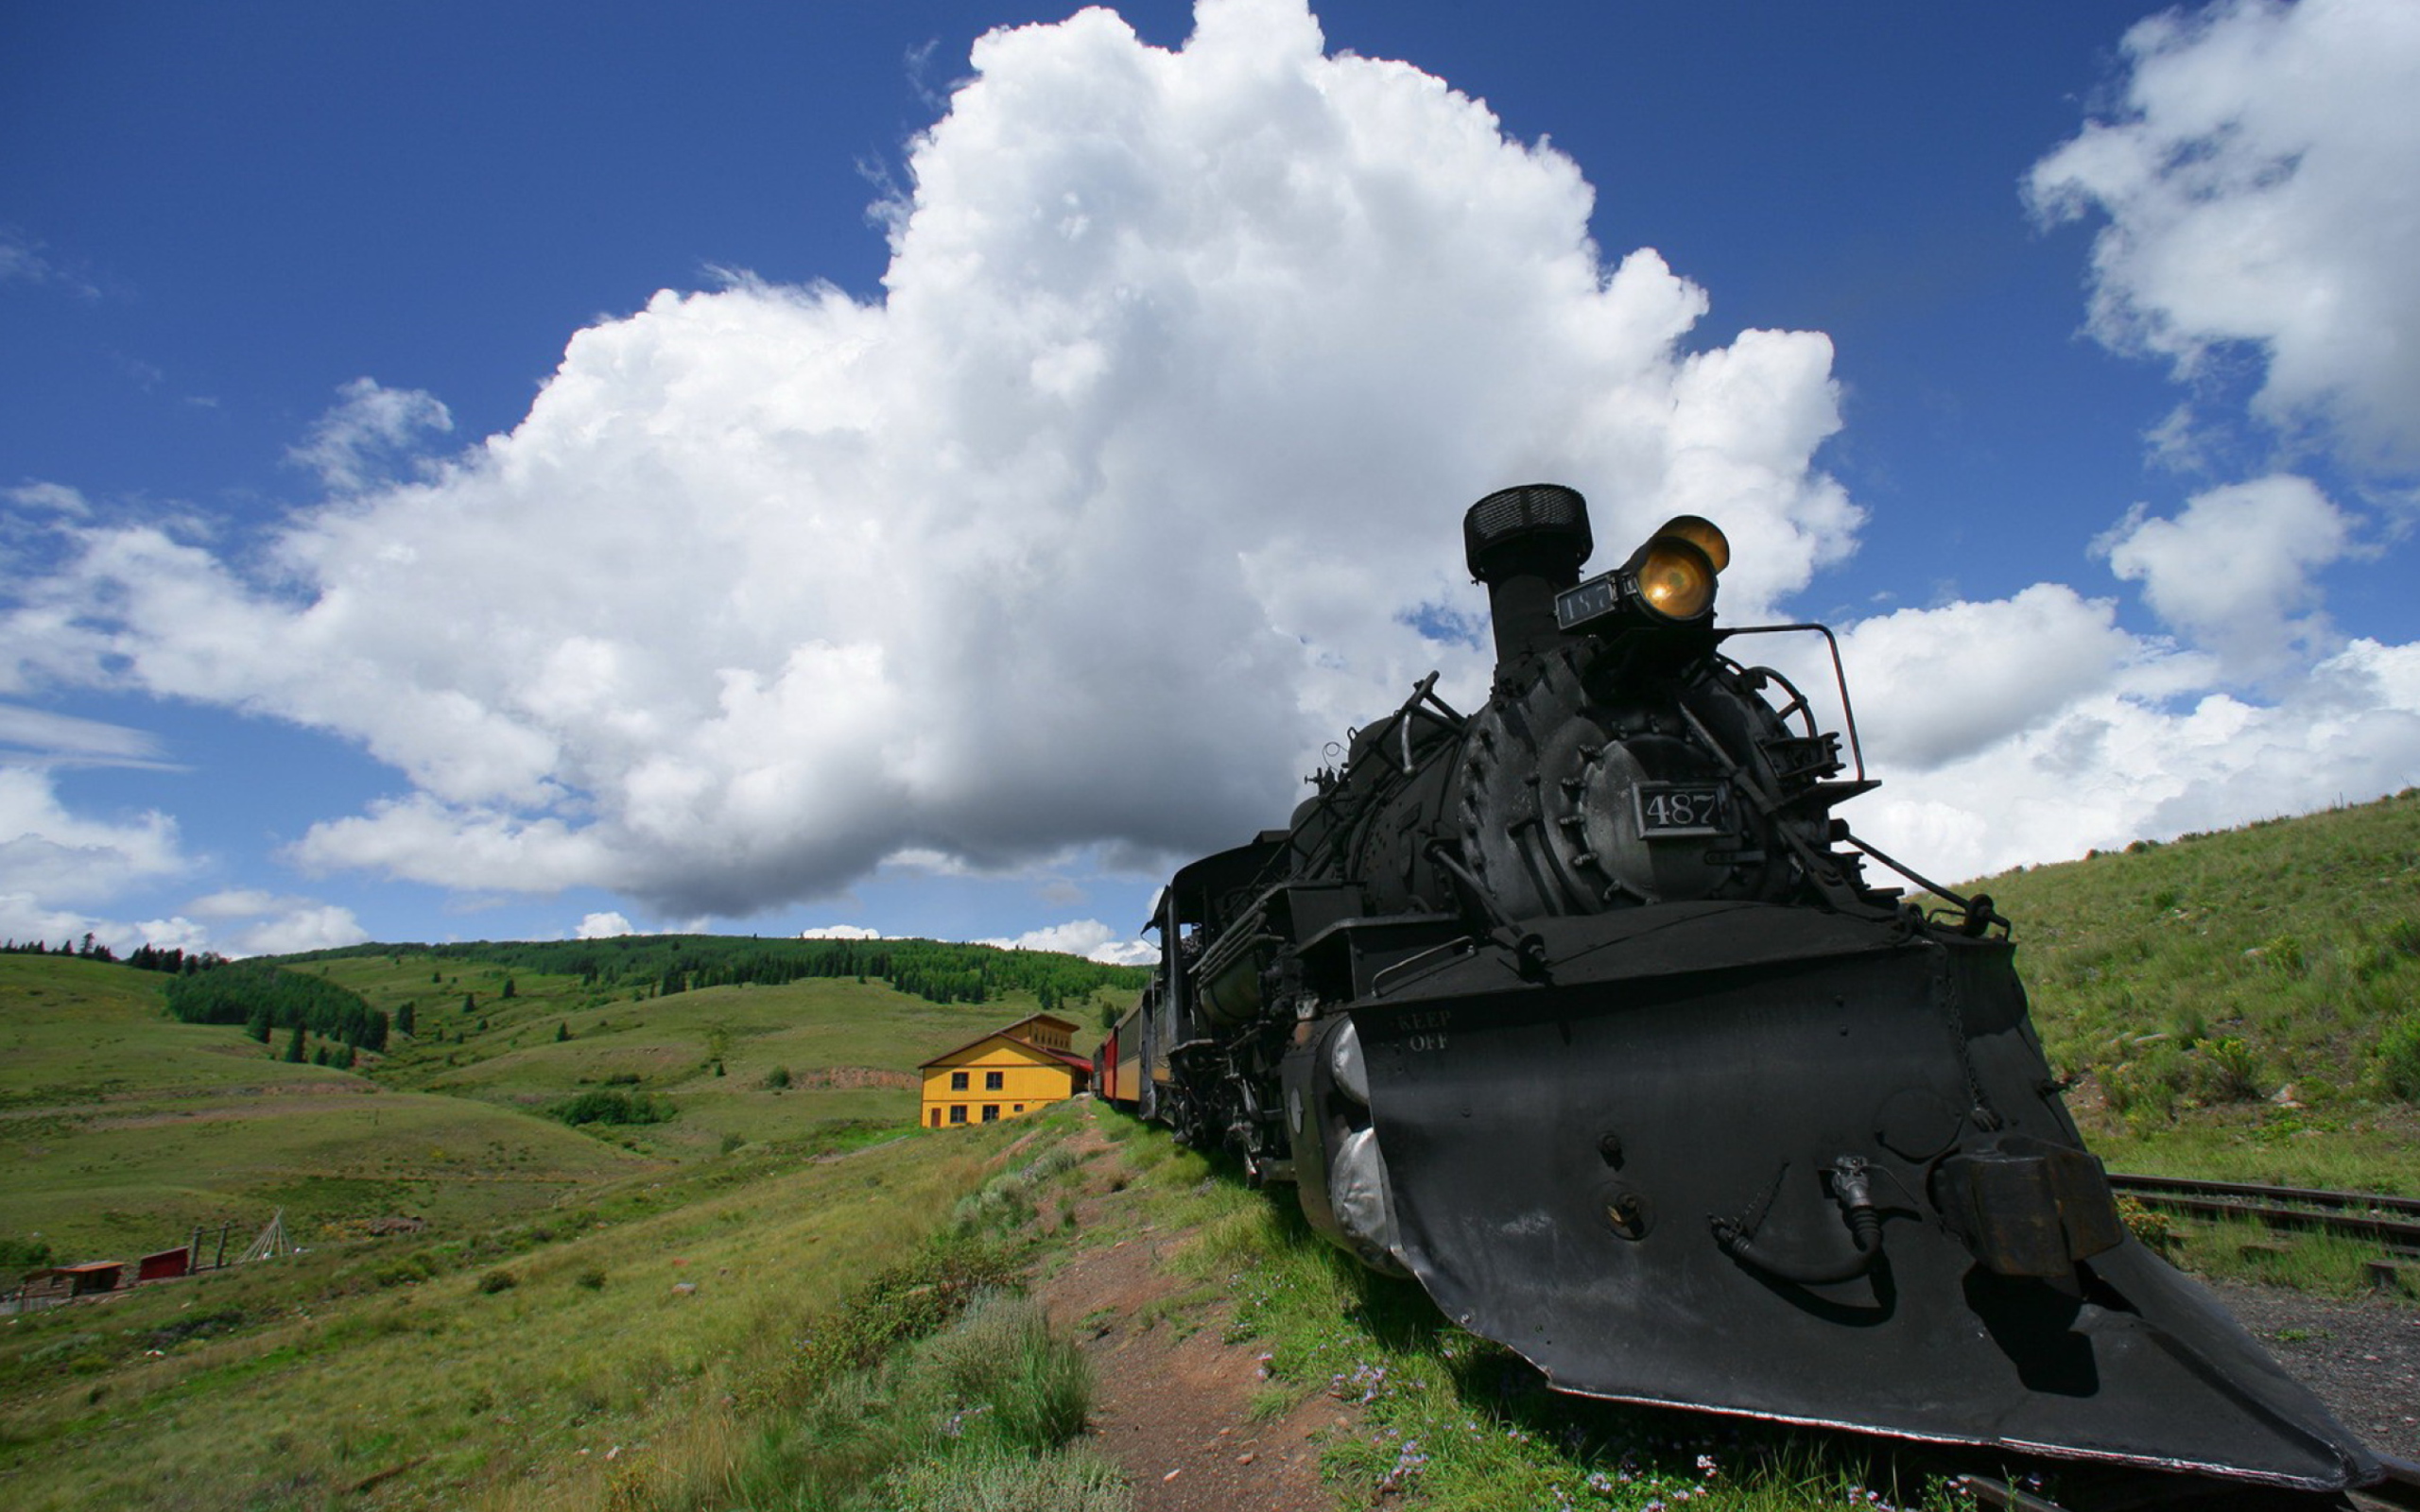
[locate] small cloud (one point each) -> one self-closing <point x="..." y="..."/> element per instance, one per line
<point x="325" y="926"/>
<point x="1088" y="937"/>
<point x="2232" y="572"/>
<point x="146" y="375"/>
<point x="52" y="739"/>
<point x="360" y="442"/>
<point x="929" y="862"/>
<point x="602" y="926"/>
<point x="49" y="854"/>
<point x="24" y="260"/>
<point x="841" y="931"/>
<point x="53" y="498"/>
<point x="240" y="903"/>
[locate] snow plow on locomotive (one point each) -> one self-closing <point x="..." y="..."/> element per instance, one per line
<point x="1581" y="1010"/>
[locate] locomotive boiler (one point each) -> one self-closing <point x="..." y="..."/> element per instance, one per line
<point x="1583" y="1009"/>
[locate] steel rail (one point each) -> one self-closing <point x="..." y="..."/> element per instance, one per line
<point x="2352" y="1214"/>
<point x="2315" y="1196"/>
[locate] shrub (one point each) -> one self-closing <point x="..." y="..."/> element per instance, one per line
<point x="601" y="1107"/>
<point x="497" y="1280"/>
<point x="2227" y="1070"/>
<point x="1001" y="1357"/>
<point x="25" y="1253"/>
<point x="2157" y="1230"/>
<point x="907" y="1300"/>
<point x="2399" y="1057"/>
<point x="777" y="1078"/>
<point x="2147" y="1088"/>
<point x="593" y="1279"/>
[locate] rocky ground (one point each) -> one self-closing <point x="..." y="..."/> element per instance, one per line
<point x="2361" y="1357"/>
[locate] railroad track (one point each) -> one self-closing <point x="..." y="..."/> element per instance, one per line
<point x="2392" y="1223"/>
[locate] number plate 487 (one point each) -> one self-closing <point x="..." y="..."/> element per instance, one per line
<point x="1676" y="809"/>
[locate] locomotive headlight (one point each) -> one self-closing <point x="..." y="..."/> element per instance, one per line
<point x="1670" y="580"/>
<point x="1702" y="533"/>
<point x="1675" y="579"/>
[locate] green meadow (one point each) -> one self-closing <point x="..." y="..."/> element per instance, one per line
<point x="122" y="1130"/>
<point x="2239" y="1005"/>
<point x="738" y="1064"/>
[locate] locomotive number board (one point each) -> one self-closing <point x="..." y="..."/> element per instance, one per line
<point x="1591" y="600"/>
<point x="1674" y="810"/>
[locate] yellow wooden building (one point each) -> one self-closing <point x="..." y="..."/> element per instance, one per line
<point x="1011" y="1071"/>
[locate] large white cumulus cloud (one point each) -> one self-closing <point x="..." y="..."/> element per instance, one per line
<point x="1123" y="498"/>
<point x="2262" y="186"/>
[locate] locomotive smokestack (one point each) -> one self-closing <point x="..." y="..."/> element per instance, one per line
<point x="1525" y="544"/>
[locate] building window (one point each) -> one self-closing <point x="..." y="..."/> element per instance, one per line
<point x="991" y="1112"/>
<point x="992" y="1082"/>
<point x="937" y="1118"/>
<point x="957" y="1114"/>
<point x="1019" y="1108"/>
<point x="957" y="1081"/>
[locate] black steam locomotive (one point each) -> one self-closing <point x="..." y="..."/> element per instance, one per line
<point x="1583" y="1010"/>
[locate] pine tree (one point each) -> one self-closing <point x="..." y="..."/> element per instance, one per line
<point x="563" y="1032"/>
<point x="294" y="1046"/>
<point x="470" y="1002"/>
<point x="403" y="1017"/>
<point x="508" y="986"/>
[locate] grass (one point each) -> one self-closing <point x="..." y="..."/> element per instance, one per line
<point x="589" y="1318"/>
<point x="2239" y="1004"/>
<point x="846" y="1050"/>
<point x="122" y="1131"/>
<point x="644" y="1354"/>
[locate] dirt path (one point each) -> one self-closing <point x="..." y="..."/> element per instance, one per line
<point x="1173" y="1407"/>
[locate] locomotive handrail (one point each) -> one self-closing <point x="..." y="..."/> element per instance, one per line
<point x="1839" y="677"/>
<point x="1979" y="914"/>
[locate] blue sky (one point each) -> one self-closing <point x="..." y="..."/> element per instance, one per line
<point x="1039" y="454"/>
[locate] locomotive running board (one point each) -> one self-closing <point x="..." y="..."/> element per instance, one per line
<point x="1560" y="1127"/>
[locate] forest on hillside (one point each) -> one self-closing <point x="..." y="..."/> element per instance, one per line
<point x="936" y="970"/>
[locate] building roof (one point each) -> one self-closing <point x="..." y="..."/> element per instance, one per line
<point x="1011" y="1035"/>
<point x="1044" y="1052"/>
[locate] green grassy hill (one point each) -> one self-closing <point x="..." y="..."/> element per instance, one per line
<point x="121" y="1130"/>
<point x="2240" y="1005"/>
